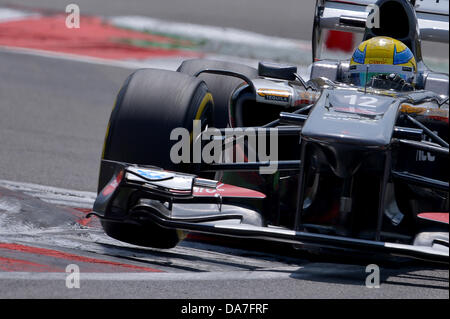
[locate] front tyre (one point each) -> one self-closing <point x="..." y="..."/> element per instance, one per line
<point x="149" y="106"/>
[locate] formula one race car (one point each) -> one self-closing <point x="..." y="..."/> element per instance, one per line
<point x="353" y="159"/>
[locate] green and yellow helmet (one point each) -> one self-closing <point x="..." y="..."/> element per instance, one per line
<point x="381" y="55"/>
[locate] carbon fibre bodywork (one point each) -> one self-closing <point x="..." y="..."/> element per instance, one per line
<point x="358" y="168"/>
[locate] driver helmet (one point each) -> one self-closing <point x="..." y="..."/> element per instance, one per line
<point x="383" y="57"/>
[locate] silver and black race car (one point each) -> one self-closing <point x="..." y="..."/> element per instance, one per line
<point x="225" y="149"/>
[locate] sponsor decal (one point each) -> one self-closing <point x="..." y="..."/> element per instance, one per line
<point x="422" y="156"/>
<point x="154" y="175"/>
<point x="438" y="217"/>
<point x="111" y="187"/>
<point x="355" y="110"/>
<point x="226" y="190"/>
<point x="304" y="98"/>
<point x="377" y="61"/>
<point x="274" y="95"/>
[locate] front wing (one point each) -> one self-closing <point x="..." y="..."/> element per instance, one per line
<point x="185" y="202"/>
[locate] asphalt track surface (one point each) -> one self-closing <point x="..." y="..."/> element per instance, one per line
<point x="53" y="118"/>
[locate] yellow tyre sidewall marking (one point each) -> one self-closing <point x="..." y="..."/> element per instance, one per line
<point x="206" y="99"/>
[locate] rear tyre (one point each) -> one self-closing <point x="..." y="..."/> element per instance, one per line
<point x="148" y="107"/>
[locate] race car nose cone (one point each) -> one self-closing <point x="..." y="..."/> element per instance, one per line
<point x="343" y="159"/>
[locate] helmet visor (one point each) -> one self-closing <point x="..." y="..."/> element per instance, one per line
<point x="360" y="75"/>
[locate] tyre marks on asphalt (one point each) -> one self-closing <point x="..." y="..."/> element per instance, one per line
<point x="45" y="226"/>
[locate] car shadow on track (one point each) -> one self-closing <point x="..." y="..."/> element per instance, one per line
<point x="204" y="254"/>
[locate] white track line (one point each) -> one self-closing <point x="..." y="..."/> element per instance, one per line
<point x="135" y="64"/>
<point x="213" y="33"/>
<point x="226" y="41"/>
<point x="54" y="195"/>
<point x="284" y="272"/>
<point x="7" y="15"/>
